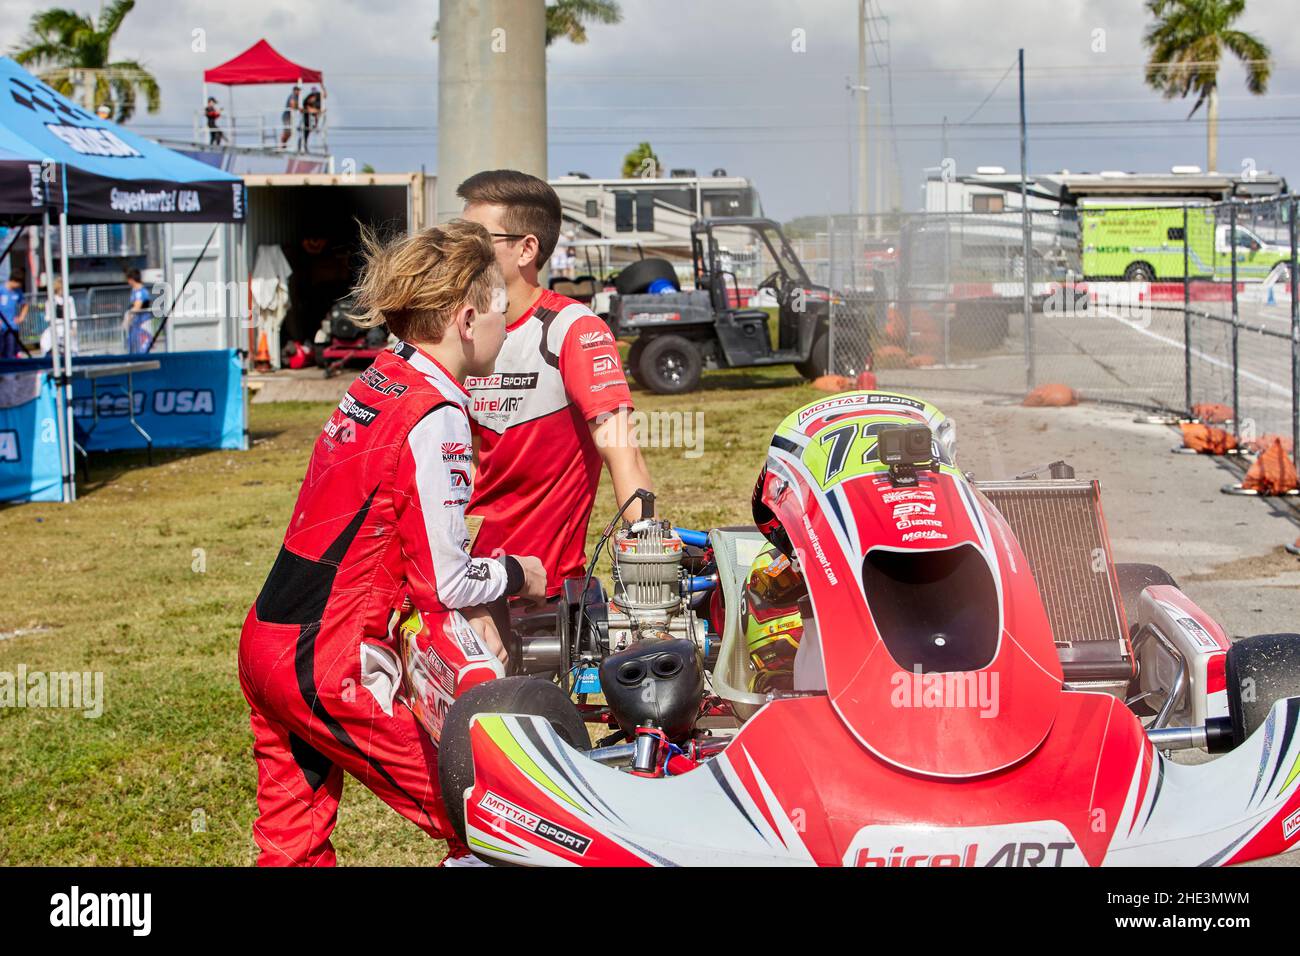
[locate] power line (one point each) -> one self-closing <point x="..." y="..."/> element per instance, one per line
<point x="767" y="127"/>
<point x="989" y="96"/>
<point x="744" y="76"/>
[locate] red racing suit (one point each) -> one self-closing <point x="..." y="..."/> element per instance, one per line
<point x="380" y="517"/>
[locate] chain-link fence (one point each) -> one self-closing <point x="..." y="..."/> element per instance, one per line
<point x="947" y="291"/>
<point x="99" y="326"/>
<point x="1158" y="306"/>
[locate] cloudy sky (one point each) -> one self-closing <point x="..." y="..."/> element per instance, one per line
<point x="753" y="86"/>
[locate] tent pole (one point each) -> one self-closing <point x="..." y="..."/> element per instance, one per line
<point x="162" y="326"/>
<point x="60" y="418"/>
<point x="67" y="350"/>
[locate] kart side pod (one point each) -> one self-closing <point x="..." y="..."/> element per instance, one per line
<point x="655" y="683"/>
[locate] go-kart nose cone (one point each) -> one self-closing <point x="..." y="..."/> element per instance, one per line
<point x="936" y="650"/>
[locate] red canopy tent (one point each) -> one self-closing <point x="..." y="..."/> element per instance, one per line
<point x="261" y="63"/>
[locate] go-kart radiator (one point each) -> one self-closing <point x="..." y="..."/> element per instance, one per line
<point x="1060" y="527"/>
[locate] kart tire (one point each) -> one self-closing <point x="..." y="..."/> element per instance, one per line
<point x="638" y="277"/>
<point x="670" y="365"/>
<point x="819" y="358"/>
<point x="505" y="695"/>
<point x="1261" y="670"/>
<point x="1132" y="579"/>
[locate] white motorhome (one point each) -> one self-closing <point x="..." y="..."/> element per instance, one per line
<point x="653" y="213"/>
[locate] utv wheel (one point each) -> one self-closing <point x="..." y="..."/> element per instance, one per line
<point x="670" y="365"/>
<point x="1261" y="670"/>
<point x="1139" y="272"/>
<point x="505" y="695"/>
<point x="819" y="358"/>
<point x="1132" y="579"/>
<point x="634" y="359"/>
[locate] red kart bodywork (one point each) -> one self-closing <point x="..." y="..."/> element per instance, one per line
<point x="995" y="765"/>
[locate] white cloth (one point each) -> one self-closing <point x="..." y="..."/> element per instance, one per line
<point x="381" y="674"/>
<point x="269" y="284"/>
<point x="47" y="336"/>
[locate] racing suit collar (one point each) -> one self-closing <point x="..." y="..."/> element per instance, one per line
<point x="431" y="367"/>
<point x="528" y="312"/>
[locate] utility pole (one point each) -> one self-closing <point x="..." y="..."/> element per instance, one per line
<point x="1025" y="229"/>
<point x="861" y="92"/>
<point x="943" y="163"/>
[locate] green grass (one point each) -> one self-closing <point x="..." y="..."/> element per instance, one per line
<point x="147" y="579"/>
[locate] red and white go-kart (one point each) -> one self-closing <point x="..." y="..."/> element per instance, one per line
<point x="977" y="684"/>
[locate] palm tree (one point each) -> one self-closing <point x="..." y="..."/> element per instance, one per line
<point x="70" y="49"/>
<point x="641" y="162"/>
<point x="568" y="19"/>
<point x="1186" y="44"/>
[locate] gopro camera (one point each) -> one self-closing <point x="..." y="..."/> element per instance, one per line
<point x="905" y="450"/>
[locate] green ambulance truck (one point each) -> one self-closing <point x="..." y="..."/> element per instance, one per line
<point x="1145" y="244"/>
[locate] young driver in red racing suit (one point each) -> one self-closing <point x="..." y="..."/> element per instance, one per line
<point x="379" y="518"/>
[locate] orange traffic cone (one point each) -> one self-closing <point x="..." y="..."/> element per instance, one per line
<point x="262" y="360"/>
<point x="1051" y="395"/>
<point x="1272" y="473"/>
<point x="1207" y="439"/>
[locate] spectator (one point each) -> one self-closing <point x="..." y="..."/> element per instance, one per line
<point x="13" y="312"/>
<point x="287" y="118"/>
<point x="559" y="259"/>
<point x="54" y="327"/>
<point x="138" y="322"/>
<point x="213" y="113"/>
<point x="311" y="110"/>
<point x="564" y="262"/>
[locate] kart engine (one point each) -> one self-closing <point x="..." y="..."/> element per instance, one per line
<point x="649" y="599"/>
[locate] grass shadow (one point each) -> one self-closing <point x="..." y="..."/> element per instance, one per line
<point x="736" y="380"/>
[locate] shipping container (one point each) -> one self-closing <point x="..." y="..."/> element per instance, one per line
<point x="316" y="219"/>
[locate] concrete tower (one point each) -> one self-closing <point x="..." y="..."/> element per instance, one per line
<point x="491" y="92"/>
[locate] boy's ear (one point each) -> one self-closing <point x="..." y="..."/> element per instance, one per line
<point x="528" y="250"/>
<point x="466" y="317"/>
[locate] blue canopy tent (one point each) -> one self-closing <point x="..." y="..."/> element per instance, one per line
<point x="97" y="171"/>
<point x="58" y="159"/>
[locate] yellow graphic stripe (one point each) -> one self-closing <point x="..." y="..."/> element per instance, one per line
<point x="483" y="845"/>
<point x="506" y="743"/>
<point x="1295" y="772"/>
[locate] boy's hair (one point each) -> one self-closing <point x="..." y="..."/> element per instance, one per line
<point x="133" y="275"/>
<point x="531" y="205"/>
<point x="414" y="284"/>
